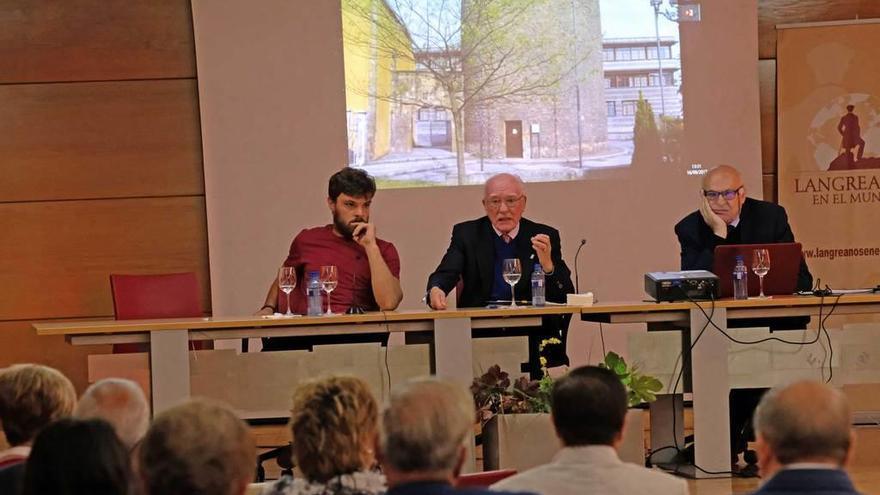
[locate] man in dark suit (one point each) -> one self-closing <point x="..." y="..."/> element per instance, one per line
<point x="476" y="253"/>
<point x="727" y="216"/>
<point x="421" y="444"/>
<point x="804" y="440"/>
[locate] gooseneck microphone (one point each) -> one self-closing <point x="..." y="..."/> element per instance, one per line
<point x="576" y="254"/>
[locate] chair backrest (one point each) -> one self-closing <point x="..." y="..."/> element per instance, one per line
<point x="483" y="479"/>
<point x="173" y="295"/>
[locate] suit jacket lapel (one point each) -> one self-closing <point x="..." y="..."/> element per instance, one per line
<point x="746" y="223"/>
<point x="486" y="257"/>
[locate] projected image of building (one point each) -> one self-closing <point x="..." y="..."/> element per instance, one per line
<point x="446" y="93"/>
<point x="373" y="117"/>
<point x="552" y="104"/>
<point x="632" y="67"/>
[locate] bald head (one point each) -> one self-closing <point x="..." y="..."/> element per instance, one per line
<point x="119" y="402"/>
<point x="806" y="421"/>
<point x="723" y="177"/>
<point x="504" y="182"/>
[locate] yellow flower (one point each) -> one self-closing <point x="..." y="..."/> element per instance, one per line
<point x="543" y="361"/>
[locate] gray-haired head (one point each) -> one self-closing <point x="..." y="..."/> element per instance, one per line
<point x="806" y="421"/>
<point x="121" y="403"/>
<point x="424" y="426"/>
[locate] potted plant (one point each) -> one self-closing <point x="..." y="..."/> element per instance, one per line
<point x="517" y="429"/>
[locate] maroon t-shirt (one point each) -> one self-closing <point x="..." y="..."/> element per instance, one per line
<point x="318" y="246"/>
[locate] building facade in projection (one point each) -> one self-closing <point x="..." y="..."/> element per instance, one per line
<point x="632" y="66"/>
<point x="536" y="90"/>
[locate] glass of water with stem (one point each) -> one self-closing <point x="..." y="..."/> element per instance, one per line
<point x="329" y="280"/>
<point x="761" y="266"/>
<point x="512" y="272"/>
<point x="287" y="282"/>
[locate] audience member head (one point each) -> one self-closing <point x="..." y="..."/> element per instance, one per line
<point x="725" y="186"/>
<point x="31" y="397"/>
<point x="119" y="402"/>
<point x="197" y="448"/>
<point x="349" y="196"/>
<point x="850" y="108"/>
<point x="805" y="422"/>
<point x="424" y="427"/>
<point x="504" y="198"/>
<point x="334" y="422"/>
<point x="589" y="407"/>
<point x="75" y="456"/>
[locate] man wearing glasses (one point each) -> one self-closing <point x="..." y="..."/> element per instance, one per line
<point x="476" y="253"/>
<point x="727" y="216"/>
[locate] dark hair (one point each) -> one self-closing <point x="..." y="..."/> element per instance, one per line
<point x="77" y="456"/>
<point x="351" y="181"/>
<point x="589" y="405"/>
<point x="850" y="108"/>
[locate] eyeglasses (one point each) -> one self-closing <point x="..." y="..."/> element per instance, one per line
<point x="495" y="203"/>
<point x="727" y="194"/>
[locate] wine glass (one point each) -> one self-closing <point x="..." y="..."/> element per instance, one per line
<point x="287" y="282"/>
<point x="761" y="265"/>
<point x="512" y="270"/>
<point x="329" y="279"/>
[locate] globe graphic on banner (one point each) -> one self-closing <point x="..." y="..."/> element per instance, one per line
<point x="828" y="142"/>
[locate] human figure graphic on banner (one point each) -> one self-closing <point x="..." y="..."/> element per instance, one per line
<point x="849" y="129"/>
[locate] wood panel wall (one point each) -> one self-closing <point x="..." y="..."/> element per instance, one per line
<point x="771" y="13"/>
<point x="100" y="162"/>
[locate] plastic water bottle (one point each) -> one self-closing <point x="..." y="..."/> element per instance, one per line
<point x="313" y="295"/>
<point x="538" y="298"/>
<point x="740" y="279"/>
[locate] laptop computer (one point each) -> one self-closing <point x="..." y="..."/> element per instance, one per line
<point x="785" y="262"/>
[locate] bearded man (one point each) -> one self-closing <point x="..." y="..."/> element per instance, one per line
<point x="368" y="268"/>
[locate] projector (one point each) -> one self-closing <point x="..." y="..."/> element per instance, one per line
<point x="683" y="285"/>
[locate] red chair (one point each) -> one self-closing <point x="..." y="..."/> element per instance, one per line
<point x="483" y="479"/>
<point x="140" y="297"/>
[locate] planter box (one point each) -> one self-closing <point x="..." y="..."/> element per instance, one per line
<point x="523" y="441"/>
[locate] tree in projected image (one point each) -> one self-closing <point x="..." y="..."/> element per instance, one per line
<point x="456" y="57"/>
<point x="646" y="136"/>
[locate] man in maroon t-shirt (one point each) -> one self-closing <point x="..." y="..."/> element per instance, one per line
<point x="368" y="268"/>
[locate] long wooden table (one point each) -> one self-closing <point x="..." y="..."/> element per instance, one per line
<point x="169" y="339"/>
<point x="453" y="355"/>
<point x="705" y="321"/>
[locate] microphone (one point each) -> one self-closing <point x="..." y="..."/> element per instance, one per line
<point x="578" y="252"/>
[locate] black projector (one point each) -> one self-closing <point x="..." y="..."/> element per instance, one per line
<point x="680" y="286"/>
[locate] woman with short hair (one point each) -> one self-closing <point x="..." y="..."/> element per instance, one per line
<point x="334" y="423"/>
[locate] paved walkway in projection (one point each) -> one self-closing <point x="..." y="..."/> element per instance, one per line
<point x="438" y="166"/>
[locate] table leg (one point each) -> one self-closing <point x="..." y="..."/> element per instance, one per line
<point x="663" y="410"/>
<point x="453" y="358"/>
<point x="169" y="368"/>
<point x="711" y="389"/>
